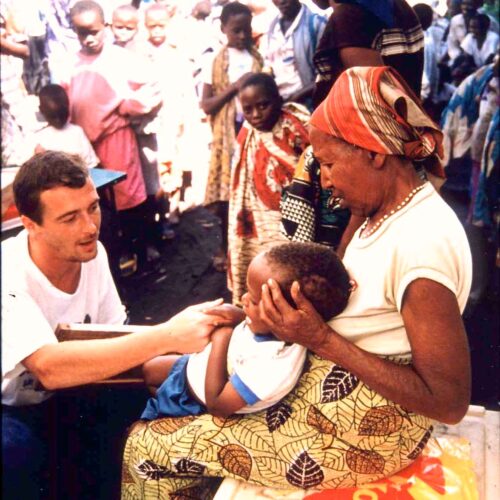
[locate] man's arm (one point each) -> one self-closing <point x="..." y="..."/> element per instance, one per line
<point x="69" y="364"/>
<point x="221" y="397"/>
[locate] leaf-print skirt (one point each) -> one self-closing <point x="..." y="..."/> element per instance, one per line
<point x="331" y="431"/>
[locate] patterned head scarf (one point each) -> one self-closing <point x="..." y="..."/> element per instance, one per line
<point x="374" y="108"/>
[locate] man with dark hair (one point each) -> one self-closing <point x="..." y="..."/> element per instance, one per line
<point x="56" y="271"/>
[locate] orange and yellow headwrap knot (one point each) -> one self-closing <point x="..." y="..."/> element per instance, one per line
<point x="373" y="108"/>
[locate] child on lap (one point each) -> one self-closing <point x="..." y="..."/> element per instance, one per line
<point x="239" y="362"/>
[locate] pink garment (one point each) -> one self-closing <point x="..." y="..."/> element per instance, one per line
<point x="104" y="91"/>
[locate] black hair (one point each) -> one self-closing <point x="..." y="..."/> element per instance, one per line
<point x="45" y="171"/>
<point x="86" y="6"/>
<point x="233" y="9"/>
<point x="483" y="20"/>
<point x="424" y="13"/>
<point x="265" y="81"/>
<point x="55" y="103"/>
<point x="322" y="277"/>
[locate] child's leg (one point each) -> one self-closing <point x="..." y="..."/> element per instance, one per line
<point x="156" y="370"/>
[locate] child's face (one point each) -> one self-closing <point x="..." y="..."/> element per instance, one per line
<point x="124" y="26"/>
<point x="90" y="29"/>
<point x="238" y="30"/>
<point x="156" y="24"/>
<point x="258" y="274"/>
<point x="260" y="109"/>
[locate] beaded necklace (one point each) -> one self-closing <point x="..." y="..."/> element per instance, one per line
<point x="392" y="212"/>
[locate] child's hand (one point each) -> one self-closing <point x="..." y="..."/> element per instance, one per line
<point x="226" y="314"/>
<point x="241" y="80"/>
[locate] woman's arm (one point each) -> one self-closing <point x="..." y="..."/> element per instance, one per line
<point x="436" y="385"/>
<point x="222" y="399"/>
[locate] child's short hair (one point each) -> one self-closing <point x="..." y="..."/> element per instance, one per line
<point x="157" y="7"/>
<point x="265" y="81"/>
<point x="233" y="9"/>
<point x="86" y="6"/>
<point x="322" y="277"/>
<point x="127" y="8"/>
<point x="54" y="104"/>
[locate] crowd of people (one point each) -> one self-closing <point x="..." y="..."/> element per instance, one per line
<point x="316" y="123"/>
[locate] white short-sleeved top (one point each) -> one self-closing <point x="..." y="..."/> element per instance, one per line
<point x="423" y="240"/>
<point x="262" y="369"/>
<point x="32" y="308"/>
<point x="480" y="55"/>
<point x="69" y="139"/>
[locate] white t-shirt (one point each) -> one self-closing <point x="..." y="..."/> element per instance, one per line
<point x="423" y="240"/>
<point x="279" y="55"/>
<point x="263" y="370"/>
<point x="239" y="63"/>
<point x="32" y="308"/>
<point x="69" y="139"/>
<point x="490" y="46"/>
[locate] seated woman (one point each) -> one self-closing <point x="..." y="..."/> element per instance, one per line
<point x="393" y="360"/>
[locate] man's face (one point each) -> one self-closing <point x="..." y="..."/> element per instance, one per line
<point x="70" y="224"/>
<point x="90" y="30"/>
<point x="288" y="8"/>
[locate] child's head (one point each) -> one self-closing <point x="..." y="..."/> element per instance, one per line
<point x="87" y="17"/>
<point x="261" y="101"/>
<point x="425" y="14"/>
<point x="156" y="20"/>
<point x="479" y="26"/>
<point x="236" y="24"/>
<point x="54" y="105"/>
<point x="462" y="67"/>
<point x="320" y="273"/>
<point x="124" y="24"/>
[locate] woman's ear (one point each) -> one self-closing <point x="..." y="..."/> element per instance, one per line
<point x="378" y="159"/>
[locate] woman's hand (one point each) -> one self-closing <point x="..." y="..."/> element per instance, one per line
<point x="226" y="314"/>
<point x="302" y="325"/>
<point x="192" y="327"/>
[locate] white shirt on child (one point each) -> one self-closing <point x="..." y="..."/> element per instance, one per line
<point x="32" y="308"/>
<point x="69" y="139"/>
<point x="261" y="368"/>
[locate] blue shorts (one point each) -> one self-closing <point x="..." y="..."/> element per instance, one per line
<point x="173" y="398"/>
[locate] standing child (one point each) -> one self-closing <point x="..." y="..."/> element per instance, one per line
<point x="107" y="86"/>
<point x="247" y="369"/>
<point x="222" y="81"/>
<point x="270" y="143"/>
<point x="59" y="134"/>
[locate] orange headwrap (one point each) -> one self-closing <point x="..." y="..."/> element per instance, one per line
<point x="373" y="108"/>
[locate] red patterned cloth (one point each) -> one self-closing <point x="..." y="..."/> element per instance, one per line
<point x="264" y="164"/>
<point x="373" y="108"/>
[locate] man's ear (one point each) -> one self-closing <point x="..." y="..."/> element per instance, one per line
<point x="30" y="225"/>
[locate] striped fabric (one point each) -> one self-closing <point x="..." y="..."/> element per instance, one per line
<point x="373" y="108"/>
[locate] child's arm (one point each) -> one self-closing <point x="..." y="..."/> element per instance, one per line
<point x="211" y="104"/>
<point x="221" y="398"/>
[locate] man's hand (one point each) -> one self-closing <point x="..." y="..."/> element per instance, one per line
<point x="192" y="327"/>
<point x="302" y="325"/>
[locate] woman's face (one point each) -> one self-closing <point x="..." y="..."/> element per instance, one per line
<point x="260" y="109"/>
<point x="346" y="170"/>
